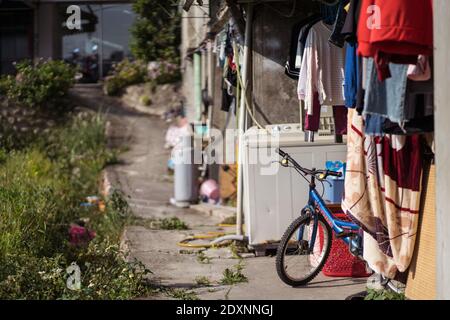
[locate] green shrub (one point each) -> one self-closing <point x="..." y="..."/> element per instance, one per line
<point x="156" y="33"/>
<point x="162" y="72"/>
<point x="125" y="73"/>
<point x="41" y="84"/>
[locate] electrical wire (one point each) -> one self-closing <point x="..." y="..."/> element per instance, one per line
<point x="244" y="89"/>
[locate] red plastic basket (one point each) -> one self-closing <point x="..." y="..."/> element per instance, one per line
<point x="340" y="262"/>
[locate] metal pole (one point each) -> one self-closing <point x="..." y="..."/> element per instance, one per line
<point x="242" y="117"/>
<point x="198" y="85"/>
<point x="211" y="75"/>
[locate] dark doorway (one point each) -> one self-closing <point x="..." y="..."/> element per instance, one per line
<point x="16" y="34"/>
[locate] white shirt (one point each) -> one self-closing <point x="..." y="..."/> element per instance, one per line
<point x="322" y="70"/>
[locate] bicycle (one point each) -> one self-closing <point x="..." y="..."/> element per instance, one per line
<point x="309" y="237"/>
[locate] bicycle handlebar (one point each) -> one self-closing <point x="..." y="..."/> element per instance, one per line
<point x="314" y="172"/>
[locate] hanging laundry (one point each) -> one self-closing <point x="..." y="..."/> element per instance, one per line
<point x="398" y="105"/>
<point x="336" y="37"/>
<point x="292" y="67"/>
<point x="351" y="75"/>
<point x="350" y="27"/>
<point x="361" y="90"/>
<point x="421" y="71"/>
<point x="374" y="124"/>
<point x="395" y="32"/>
<point x="386" y="98"/>
<point x="303" y="36"/>
<point x="322" y="69"/>
<point x="340" y="119"/>
<point x="382" y="194"/>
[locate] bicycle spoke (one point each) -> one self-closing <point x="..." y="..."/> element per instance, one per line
<point x="299" y="263"/>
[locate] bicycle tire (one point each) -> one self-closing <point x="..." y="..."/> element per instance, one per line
<point x="282" y="249"/>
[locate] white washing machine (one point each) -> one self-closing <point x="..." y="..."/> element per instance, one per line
<point x="273" y="195"/>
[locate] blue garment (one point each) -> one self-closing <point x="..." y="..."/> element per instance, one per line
<point x="374" y="125"/>
<point x="387" y="98"/>
<point x="351" y="75"/>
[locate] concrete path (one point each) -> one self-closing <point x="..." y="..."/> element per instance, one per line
<point x="142" y="176"/>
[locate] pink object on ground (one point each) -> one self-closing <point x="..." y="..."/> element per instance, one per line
<point x="210" y="189"/>
<point x="79" y="236"/>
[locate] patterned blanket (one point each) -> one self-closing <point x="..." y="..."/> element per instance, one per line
<point x="382" y="195"/>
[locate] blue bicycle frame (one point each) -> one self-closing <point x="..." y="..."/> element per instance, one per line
<point x="347" y="231"/>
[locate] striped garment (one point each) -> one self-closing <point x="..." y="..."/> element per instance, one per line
<point x="322" y="70"/>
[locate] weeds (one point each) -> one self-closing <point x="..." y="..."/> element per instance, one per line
<point x="235" y="251"/>
<point x="181" y="294"/>
<point x="203" y="281"/>
<point x="41" y="188"/>
<point x="160" y="224"/>
<point x="172" y="224"/>
<point x="235" y="276"/>
<point x="231" y="220"/>
<point x="203" y="258"/>
<point x="383" y="295"/>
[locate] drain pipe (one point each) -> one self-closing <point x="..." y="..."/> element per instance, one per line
<point x="242" y="118"/>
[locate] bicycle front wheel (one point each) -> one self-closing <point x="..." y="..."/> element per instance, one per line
<point x="296" y="263"/>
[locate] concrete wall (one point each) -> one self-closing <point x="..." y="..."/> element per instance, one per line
<point x="194" y="28"/>
<point x="442" y="131"/>
<point x="275" y="93"/>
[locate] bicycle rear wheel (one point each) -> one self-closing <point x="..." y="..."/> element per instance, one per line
<point x="296" y="266"/>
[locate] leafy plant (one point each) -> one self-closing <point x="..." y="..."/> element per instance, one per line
<point x="383" y="295"/>
<point x="203" y="281"/>
<point x="40" y="84"/>
<point x="173" y="223"/>
<point x="156" y="34"/>
<point x="181" y="294"/>
<point x="235" y="276"/>
<point x="125" y="73"/>
<point x="203" y="258"/>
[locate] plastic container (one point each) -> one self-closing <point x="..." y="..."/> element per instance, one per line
<point x="185" y="174"/>
<point x="335" y="192"/>
<point x="340" y="262"/>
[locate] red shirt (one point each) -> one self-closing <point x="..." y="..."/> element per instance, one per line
<point x="405" y="27"/>
<point x="395" y="31"/>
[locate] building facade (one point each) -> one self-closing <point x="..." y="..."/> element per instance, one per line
<point x="91" y="33"/>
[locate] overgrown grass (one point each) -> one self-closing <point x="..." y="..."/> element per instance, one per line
<point x="41" y="188"/>
<point x="234" y="275"/>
